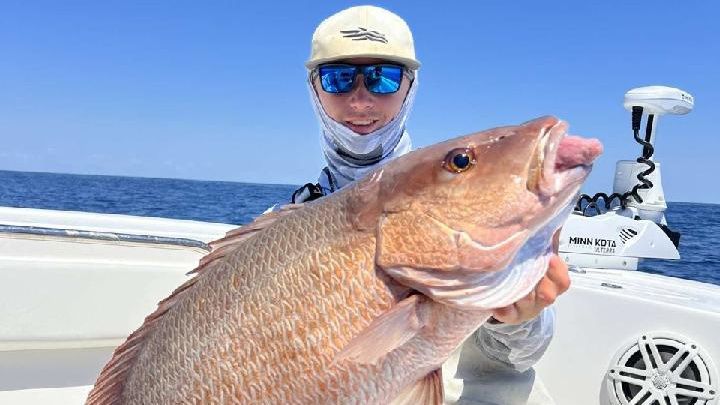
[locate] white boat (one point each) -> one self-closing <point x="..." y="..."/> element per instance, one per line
<point x="73" y="285"/>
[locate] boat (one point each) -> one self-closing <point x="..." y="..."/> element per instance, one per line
<point x="75" y="284"/>
<point x="73" y="287"/>
<point x="625" y="336"/>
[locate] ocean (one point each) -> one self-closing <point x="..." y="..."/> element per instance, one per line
<point x="239" y="203"/>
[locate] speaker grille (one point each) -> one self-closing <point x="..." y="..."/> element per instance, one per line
<point x="662" y="368"/>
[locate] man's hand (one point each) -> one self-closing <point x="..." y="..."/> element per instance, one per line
<point x="555" y="282"/>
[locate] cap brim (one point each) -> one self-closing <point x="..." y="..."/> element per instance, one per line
<point x="407" y="62"/>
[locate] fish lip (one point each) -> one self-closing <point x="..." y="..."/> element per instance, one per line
<point x="552" y="181"/>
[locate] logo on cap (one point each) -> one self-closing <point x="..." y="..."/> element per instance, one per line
<point x="363" y="34"/>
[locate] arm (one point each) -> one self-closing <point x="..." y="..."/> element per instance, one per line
<point x="494" y="365"/>
<point x="518" y="346"/>
<point x="519" y="334"/>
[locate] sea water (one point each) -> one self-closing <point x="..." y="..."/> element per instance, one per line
<point x="239" y="203"/>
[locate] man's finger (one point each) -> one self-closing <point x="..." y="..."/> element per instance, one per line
<point x="558" y="273"/>
<point x="526" y="307"/>
<point x="508" y="314"/>
<point x="546" y="292"/>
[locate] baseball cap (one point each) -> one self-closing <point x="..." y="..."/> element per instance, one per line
<point x="363" y="31"/>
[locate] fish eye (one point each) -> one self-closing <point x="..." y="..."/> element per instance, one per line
<point x="459" y="160"/>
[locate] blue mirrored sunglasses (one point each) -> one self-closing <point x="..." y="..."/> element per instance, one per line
<point x="379" y="79"/>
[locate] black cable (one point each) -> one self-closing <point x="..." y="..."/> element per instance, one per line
<point x="592" y="202"/>
<point x="648" y="150"/>
<point x="636" y="117"/>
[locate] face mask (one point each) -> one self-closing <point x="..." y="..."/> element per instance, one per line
<point x="350" y="155"/>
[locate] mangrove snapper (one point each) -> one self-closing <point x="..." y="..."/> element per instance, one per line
<point x="359" y="297"/>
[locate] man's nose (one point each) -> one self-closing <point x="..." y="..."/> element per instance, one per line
<point x="360" y="98"/>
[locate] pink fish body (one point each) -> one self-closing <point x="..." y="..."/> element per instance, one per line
<point x="359" y="297"/>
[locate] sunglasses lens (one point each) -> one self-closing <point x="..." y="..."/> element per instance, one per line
<point x="383" y="79"/>
<point x="379" y="79"/>
<point x="337" y="79"/>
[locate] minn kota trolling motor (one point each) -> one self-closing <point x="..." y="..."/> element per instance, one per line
<point x="614" y="231"/>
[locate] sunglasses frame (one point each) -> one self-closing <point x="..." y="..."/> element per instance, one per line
<point x="404" y="71"/>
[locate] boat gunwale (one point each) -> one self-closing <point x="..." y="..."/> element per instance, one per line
<point x="108" y="236"/>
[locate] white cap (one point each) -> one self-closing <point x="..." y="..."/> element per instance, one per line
<point x="363" y="32"/>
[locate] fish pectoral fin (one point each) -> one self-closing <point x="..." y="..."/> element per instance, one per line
<point x="387" y="332"/>
<point x="426" y="391"/>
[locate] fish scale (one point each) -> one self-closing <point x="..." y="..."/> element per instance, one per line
<point x="305" y="306"/>
<point x="296" y="289"/>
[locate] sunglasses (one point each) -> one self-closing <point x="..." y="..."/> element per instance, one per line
<point x="379" y="79"/>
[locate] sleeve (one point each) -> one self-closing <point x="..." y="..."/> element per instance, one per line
<point x="494" y="365"/>
<point x="519" y="346"/>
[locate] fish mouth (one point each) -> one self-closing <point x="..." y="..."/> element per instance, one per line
<point x="560" y="161"/>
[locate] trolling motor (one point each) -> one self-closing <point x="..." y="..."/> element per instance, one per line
<point x="614" y="231"/>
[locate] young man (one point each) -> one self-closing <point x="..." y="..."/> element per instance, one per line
<point x="362" y="81"/>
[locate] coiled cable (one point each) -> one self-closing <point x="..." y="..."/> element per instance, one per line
<point x="644" y="183"/>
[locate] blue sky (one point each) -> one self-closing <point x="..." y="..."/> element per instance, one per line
<point x="215" y="90"/>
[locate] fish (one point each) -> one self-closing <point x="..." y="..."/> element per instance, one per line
<point x="360" y="296"/>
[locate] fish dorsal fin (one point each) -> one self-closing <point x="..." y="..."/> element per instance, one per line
<point x="426" y="391"/>
<point x="232" y="238"/>
<point x="387" y="332"/>
<point x="110" y="383"/>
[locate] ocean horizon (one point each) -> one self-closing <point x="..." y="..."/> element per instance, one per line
<point x="238" y="203"/>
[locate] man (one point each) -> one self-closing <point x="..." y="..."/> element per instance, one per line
<point x="362" y="78"/>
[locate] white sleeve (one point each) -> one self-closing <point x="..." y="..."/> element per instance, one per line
<point x="519" y="346"/>
<point x="494" y="365"/>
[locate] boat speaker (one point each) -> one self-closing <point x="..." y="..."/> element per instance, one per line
<point x="662" y="368"/>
